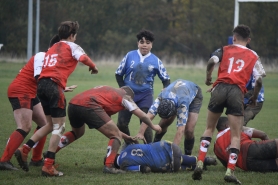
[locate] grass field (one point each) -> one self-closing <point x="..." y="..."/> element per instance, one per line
<point x="82" y="161"/>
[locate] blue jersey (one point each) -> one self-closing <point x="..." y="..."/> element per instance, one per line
<point x="139" y="71"/>
<point x="250" y="86"/>
<point x="182" y="93"/>
<point x="158" y="156"/>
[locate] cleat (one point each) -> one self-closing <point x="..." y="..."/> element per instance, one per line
<point x="22" y="159"/>
<point x="51" y="172"/>
<point x="197" y="174"/>
<point x="7" y="166"/>
<point x="112" y="170"/>
<point x="145" y="169"/>
<point x="36" y="163"/>
<point x="209" y="161"/>
<point x="229" y="177"/>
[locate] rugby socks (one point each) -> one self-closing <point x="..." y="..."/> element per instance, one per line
<point x="112" y="151"/>
<point x="233" y="158"/>
<point x="148" y="135"/>
<point x="38" y="148"/>
<point x="158" y="137"/>
<point x="205" y="142"/>
<point x="15" y="140"/>
<point x="188" y="162"/>
<point x="66" y="139"/>
<point x="188" y="146"/>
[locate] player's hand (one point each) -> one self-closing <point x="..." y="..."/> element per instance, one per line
<point x="93" y="70"/>
<point x="252" y="101"/>
<point x="209" y="90"/>
<point x="140" y="136"/>
<point x="131" y="140"/>
<point x="208" y="81"/>
<point x="70" y="88"/>
<point x="157" y="128"/>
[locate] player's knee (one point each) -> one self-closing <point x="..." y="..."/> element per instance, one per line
<point x="58" y="129"/>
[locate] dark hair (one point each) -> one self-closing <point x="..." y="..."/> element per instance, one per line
<point x="242" y="32"/>
<point x="166" y="108"/>
<point x="67" y="28"/>
<point x="221" y="124"/>
<point x="145" y="33"/>
<point x="128" y="91"/>
<point x="54" y="40"/>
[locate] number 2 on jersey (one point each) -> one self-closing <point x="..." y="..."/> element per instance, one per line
<point x="50" y="62"/>
<point x="240" y="64"/>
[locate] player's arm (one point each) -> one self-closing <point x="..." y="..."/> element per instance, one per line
<point x="254" y="133"/>
<point x="210" y="66"/>
<point x="120" y="80"/>
<point x="88" y="62"/>
<point x="146" y="119"/>
<point x="259" y="73"/>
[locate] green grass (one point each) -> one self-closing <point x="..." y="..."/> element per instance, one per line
<point x="82" y="161"/>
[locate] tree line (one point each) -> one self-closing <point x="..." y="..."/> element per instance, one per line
<point x="183" y="28"/>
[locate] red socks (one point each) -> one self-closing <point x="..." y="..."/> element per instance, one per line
<point x="112" y="151"/>
<point x="65" y="140"/>
<point x="15" y="140"/>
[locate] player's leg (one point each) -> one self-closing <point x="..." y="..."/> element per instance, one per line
<point x="194" y="109"/>
<point x="164" y="124"/>
<point x="124" y="117"/>
<point x="234" y="112"/>
<point x="111" y="131"/>
<point x="250" y="112"/>
<point x="148" y="132"/>
<point x="23" y="117"/>
<point x="215" y="109"/>
<point x="77" y="117"/>
<point x="40" y="119"/>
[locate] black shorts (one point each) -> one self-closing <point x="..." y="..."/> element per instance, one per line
<point x="28" y="103"/>
<point x="52" y="98"/>
<point x="196" y="104"/>
<point x="261" y="156"/>
<point x="79" y="115"/>
<point x="229" y="96"/>
<point x="251" y="111"/>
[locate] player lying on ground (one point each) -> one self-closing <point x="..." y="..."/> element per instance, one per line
<point x="162" y="156"/>
<point x="259" y="156"/>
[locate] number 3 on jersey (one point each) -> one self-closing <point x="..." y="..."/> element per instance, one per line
<point x="50" y="60"/>
<point x="239" y="65"/>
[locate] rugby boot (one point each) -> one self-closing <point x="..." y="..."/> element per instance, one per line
<point x="22" y="157"/>
<point x="36" y="163"/>
<point x="197" y="174"/>
<point x="229" y="177"/>
<point x="112" y="170"/>
<point x="7" y="165"/>
<point x="209" y="161"/>
<point x="49" y="170"/>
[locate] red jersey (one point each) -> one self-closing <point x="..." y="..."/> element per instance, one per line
<point x="236" y="66"/>
<point x="60" y="61"/>
<point x="25" y="84"/>
<point x="222" y="145"/>
<point x="111" y="100"/>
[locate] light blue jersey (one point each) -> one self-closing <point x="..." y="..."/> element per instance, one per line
<point x="250" y="85"/>
<point x="139" y="71"/>
<point x="158" y="155"/>
<point x="182" y="93"/>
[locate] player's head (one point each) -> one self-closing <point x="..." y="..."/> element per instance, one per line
<point x="128" y="91"/>
<point x="166" y="109"/>
<point x="54" y="40"/>
<point x="222" y="123"/>
<point x="67" y="28"/>
<point x="242" y="33"/>
<point x="148" y="35"/>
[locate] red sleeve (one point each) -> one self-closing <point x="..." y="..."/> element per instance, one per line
<point x="87" y="61"/>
